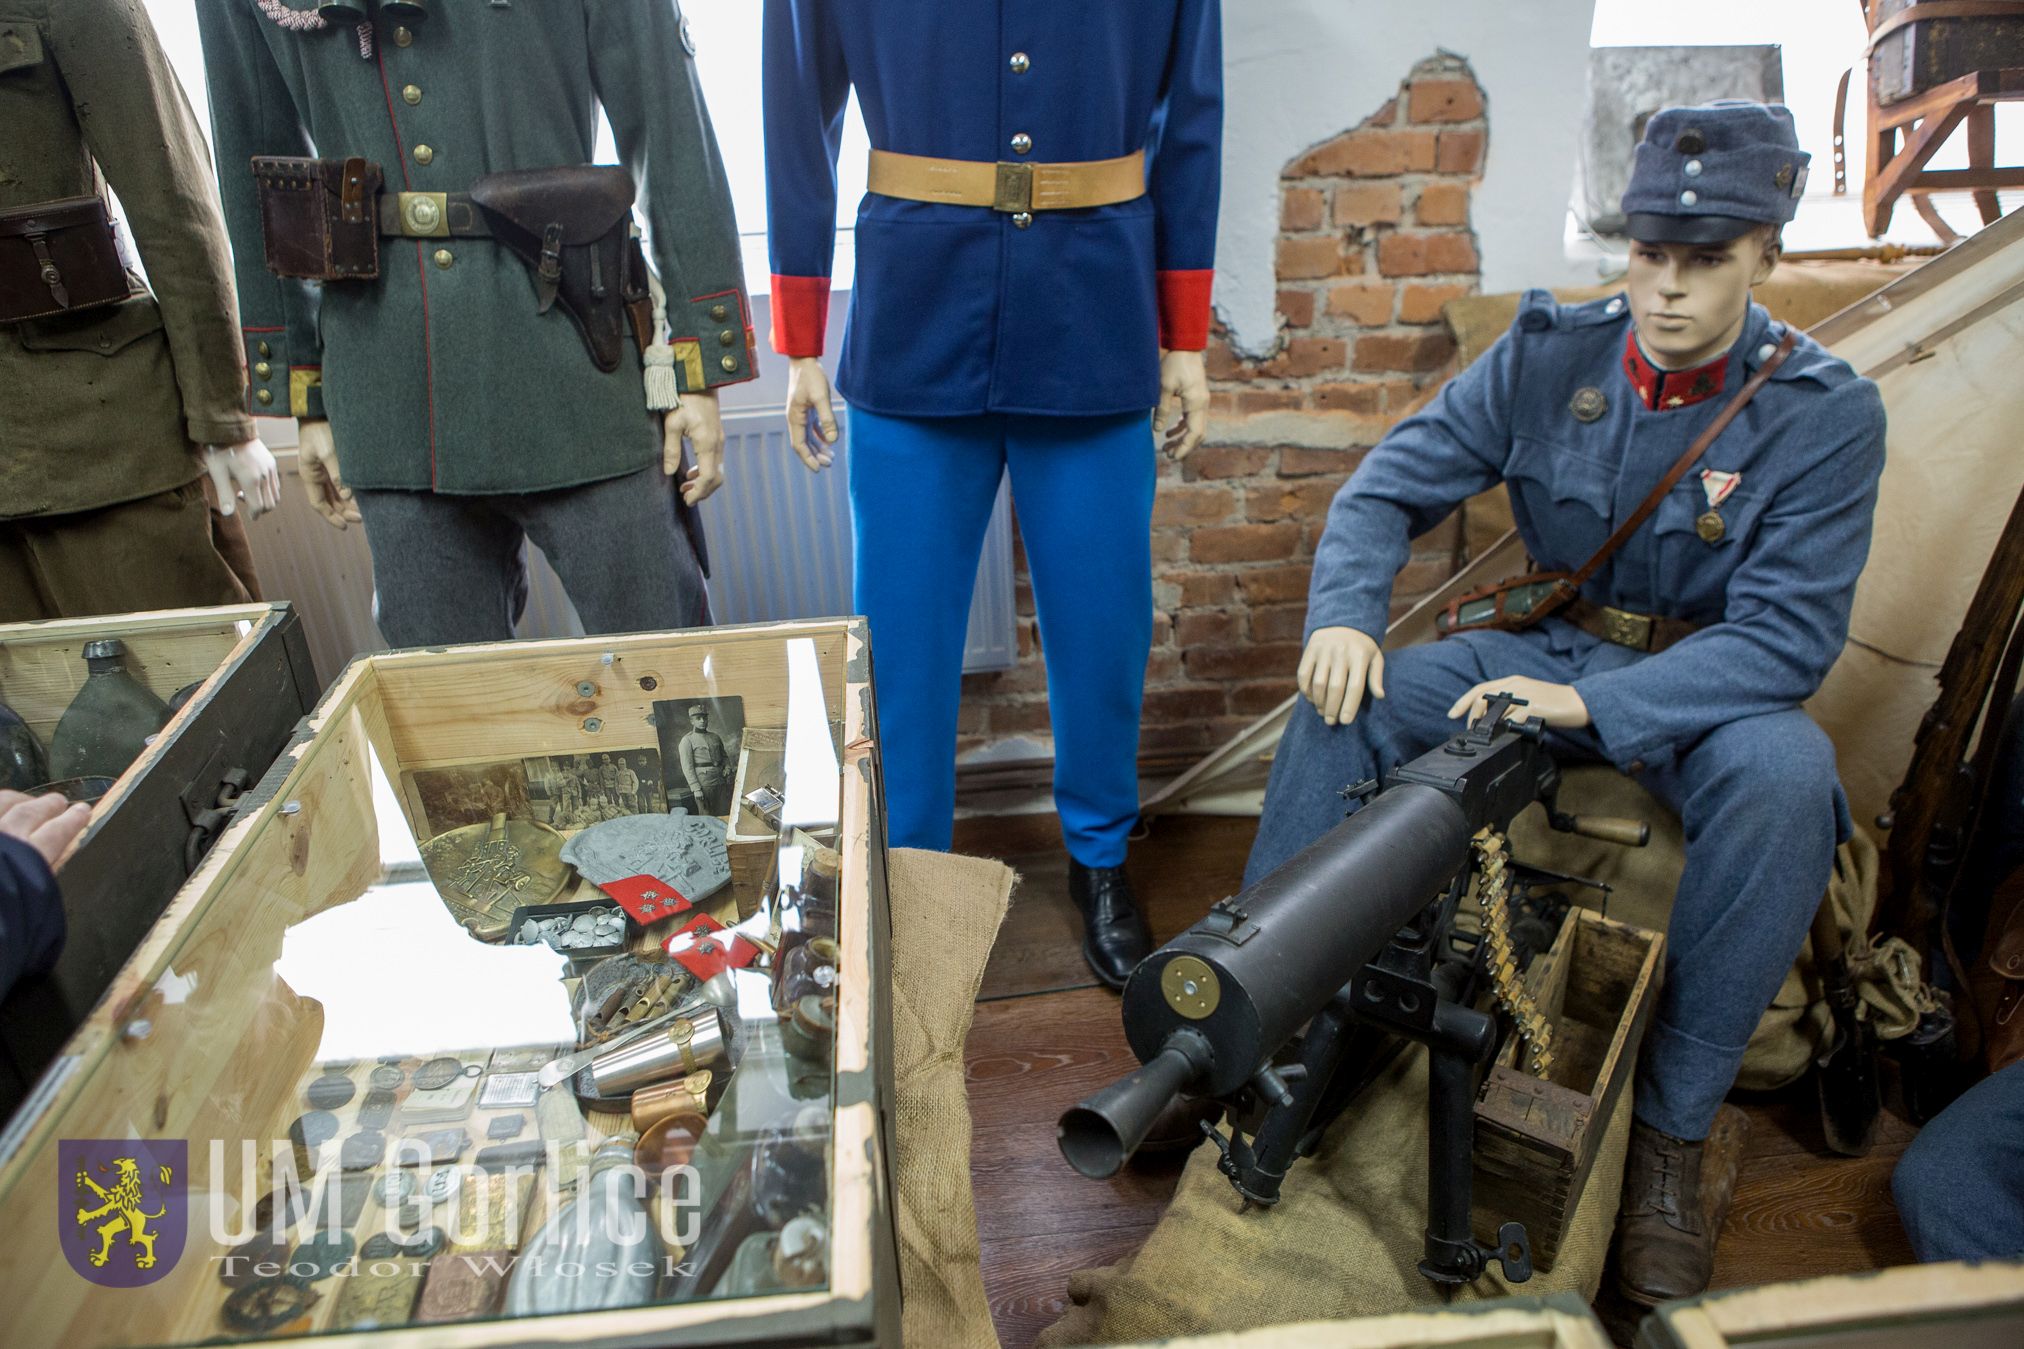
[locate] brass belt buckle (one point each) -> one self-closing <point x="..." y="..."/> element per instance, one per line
<point x="425" y="215"/>
<point x="1015" y="188"/>
<point x="1626" y="628"/>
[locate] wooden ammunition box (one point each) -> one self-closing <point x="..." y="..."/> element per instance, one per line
<point x="146" y="834"/>
<point x="1959" y="1306"/>
<point x="1536" y="1138"/>
<point x="1920" y="54"/>
<point x="317" y="986"/>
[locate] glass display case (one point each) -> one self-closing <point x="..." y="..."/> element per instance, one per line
<point x="537" y="995"/>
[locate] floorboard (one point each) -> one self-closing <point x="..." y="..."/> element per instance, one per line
<point x="1046" y="1035"/>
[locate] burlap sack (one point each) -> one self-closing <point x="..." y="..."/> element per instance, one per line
<point x="1343" y="1241"/>
<point x="1563" y="1321"/>
<point x="945" y="916"/>
<point x="1797" y="1026"/>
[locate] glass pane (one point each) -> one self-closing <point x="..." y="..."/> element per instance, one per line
<point x="467" y="1031"/>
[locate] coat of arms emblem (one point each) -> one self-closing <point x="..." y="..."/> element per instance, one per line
<point x="121" y="1205"/>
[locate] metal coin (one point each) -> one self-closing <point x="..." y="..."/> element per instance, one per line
<point x="437" y="1073"/>
<point x="424" y="1243"/>
<point x="442" y="1185"/>
<point x="330" y="1091"/>
<point x="375" y="1110"/>
<point x="378" y="1246"/>
<point x="236" y="1270"/>
<point x="386" y="1077"/>
<point x="268" y="1303"/>
<point x="363" y="1150"/>
<point x="318" y="1126"/>
<point x="1588" y="404"/>
<point x="318" y="1258"/>
<point x="263" y="1212"/>
<point x="395" y="1188"/>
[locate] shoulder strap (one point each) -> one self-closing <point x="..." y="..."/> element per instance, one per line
<point x="1579" y="577"/>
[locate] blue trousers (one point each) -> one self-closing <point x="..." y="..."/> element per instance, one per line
<point x="1762" y="811"/>
<point x="1960" y="1185"/>
<point x="921" y="491"/>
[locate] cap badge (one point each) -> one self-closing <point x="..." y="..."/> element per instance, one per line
<point x="1691" y="142"/>
<point x="1784" y="177"/>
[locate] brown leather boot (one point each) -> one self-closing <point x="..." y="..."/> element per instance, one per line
<point x="1675" y="1199"/>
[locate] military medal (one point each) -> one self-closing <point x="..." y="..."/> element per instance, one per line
<point x="485" y="871"/>
<point x="1716" y="485"/>
<point x="268" y="1304"/>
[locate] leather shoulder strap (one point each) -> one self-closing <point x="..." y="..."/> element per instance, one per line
<point x="1580" y="575"/>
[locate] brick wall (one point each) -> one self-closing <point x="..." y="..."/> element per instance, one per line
<point x="1374" y="238"/>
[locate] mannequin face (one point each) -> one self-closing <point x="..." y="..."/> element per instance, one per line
<point x="1689" y="300"/>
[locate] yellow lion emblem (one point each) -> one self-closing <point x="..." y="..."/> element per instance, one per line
<point x="121" y="1206"/>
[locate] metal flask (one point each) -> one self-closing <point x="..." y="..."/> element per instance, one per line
<point x="108" y="723"/>
<point x="22" y="765"/>
<point x="688" y="1043"/>
<point x="599" y="1251"/>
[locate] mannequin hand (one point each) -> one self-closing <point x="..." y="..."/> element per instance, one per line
<point x="247" y="467"/>
<point x="1335" y="667"/>
<point x="700" y="419"/>
<point x="316" y="457"/>
<point x="808" y="391"/>
<point x="45" y="823"/>
<point x="1183" y="414"/>
<point x="1555" y="704"/>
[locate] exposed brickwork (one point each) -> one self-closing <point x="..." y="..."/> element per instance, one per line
<point x="1374" y="239"/>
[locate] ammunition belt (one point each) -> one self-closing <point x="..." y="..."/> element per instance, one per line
<point x="1493" y="895"/>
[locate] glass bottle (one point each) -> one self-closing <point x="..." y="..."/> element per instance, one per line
<point x="108" y="723"/>
<point x="22" y="765"/>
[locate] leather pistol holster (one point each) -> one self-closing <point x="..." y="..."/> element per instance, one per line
<point x="572" y="227"/>
<point x="319" y="217"/>
<point x="57" y="257"/>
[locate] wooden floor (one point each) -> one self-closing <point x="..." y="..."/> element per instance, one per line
<point x="1046" y="1034"/>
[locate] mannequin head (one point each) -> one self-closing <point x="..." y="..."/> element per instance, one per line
<point x="1689" y="300"/>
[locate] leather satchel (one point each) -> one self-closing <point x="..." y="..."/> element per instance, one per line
<point x="1516" y="604"/>
<point x="572" y="227"/>
<point x="57" y="257"/>
<point x="319" y="217"/>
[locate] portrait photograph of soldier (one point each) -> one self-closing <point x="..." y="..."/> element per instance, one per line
<point x="454" y="797"/>
<point x="575" y="791"/>
<point x="700" y="740"/>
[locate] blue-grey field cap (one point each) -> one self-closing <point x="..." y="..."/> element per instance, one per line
<point x="1712" y="173"/>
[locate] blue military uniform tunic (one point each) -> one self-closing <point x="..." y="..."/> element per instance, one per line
<point x="1712" y="725"/>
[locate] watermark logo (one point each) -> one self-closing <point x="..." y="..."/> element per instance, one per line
<point x="122" y="1210"/>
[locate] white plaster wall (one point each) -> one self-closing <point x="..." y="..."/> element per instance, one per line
<point x="1298" y="72"/>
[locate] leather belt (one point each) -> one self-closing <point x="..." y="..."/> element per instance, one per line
<point x="1639" y="632"/>
<point x="431" y="215"/>
<point x="1009" y="187"/>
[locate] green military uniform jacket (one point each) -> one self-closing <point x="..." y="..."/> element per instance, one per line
<point x="105" y="405"/>
<point x="441" y="374"/>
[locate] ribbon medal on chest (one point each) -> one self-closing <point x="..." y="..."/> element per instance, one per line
<point x="1717" y="485"/>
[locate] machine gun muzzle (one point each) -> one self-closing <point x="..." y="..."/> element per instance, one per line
<point x="1097" y="1135"/>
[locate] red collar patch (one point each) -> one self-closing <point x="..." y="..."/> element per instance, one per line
<point x="1664" y="390"/>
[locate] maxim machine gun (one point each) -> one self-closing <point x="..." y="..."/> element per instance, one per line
<point x="1285" y="1000"/>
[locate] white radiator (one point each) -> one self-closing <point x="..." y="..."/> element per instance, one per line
<point x="779" y="539"/>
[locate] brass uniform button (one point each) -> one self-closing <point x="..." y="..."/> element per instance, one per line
<point x="266" y="350"/>
<point x="1021" y="143"/>
<point x="1020" y="63"/>
<point x="263" y="396"/>
<point x="726" y="338"/>
<point x="403" y="37"/>
<point x="423" y="154"/>
<point x="1023" y="219"/>
<point x="444" y="257"/>
<point x="730" y="363"/>
<point x="719" y="313"/>
<point x="263" y="369"/>
<point x="411" y="95"/>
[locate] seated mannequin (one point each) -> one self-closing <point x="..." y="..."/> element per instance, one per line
<point x="1694" y="645"/>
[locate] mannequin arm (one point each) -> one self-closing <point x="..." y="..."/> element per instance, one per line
<point x="1334" y="670"/>
<point x="808" y="391"/>
<point x="701" y="420"/>
<point x="316" y="458"/>
<point x="248" y="468"/>
<point x="1183" y="415"/>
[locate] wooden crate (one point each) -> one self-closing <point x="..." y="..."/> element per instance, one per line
<point x="212" y="1030"/>
<point x="1536" y="1138"/>
<point x="256" y="683"/>
<point x="1924" y="54"/>
<point x="1958" y="1306"/>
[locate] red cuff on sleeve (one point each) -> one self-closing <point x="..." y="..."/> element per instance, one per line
<point x="1184" y="309"/>
<point x="800" y="314"/>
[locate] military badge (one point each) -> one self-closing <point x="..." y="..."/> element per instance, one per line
<point x="125" y="1217"/>
<point x="1588" y="404"/>
<point x="1716" y="485"/>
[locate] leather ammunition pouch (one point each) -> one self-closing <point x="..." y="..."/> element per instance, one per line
<point x="320" y="217"/>
<point x="572" y="227"/>
<point x="57" y="257"/>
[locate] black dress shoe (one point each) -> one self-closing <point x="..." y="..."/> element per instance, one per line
<point x="1115" y="938"/>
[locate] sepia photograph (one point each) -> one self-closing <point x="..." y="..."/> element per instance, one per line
<point x="700" y="739"/>
<point x="575" y="791"/>
<point x="473" y="794"/>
